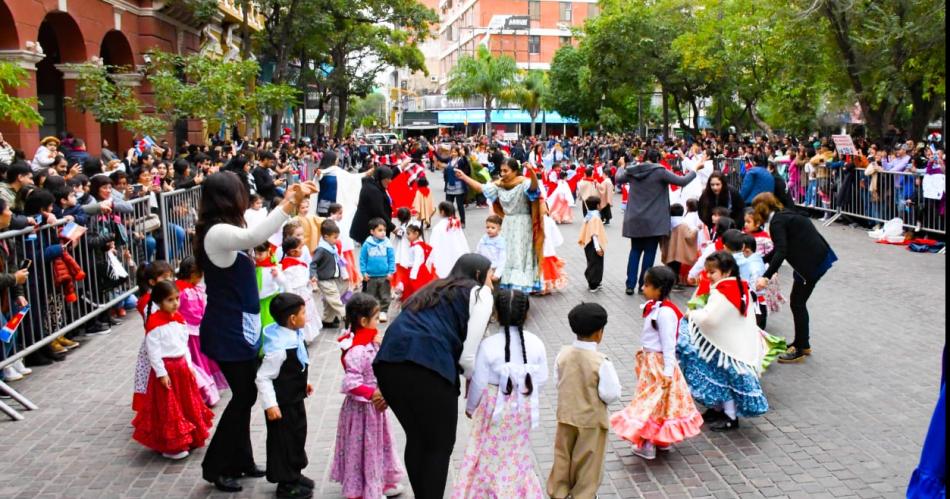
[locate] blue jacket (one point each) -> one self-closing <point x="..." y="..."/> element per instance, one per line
<point x="377" y="257"/>
<point x="757" y="180"/>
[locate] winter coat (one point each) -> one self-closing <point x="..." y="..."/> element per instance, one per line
<point x="648" y="206"/>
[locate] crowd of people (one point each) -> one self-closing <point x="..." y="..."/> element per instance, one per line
<point x="292" y="241"/>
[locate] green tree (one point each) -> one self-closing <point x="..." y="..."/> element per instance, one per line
<point x="486" y="76"/>
<point x="531" y="94"/>
<point x="19" y="110"/>
<point x="184" y="87"/>
<point x="891" y="52"/>
<point x="366" y="112"/>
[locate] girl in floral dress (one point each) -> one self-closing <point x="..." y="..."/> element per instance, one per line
<point x="518" y="200"/>
<point x="510" y="371"/>
<point x="662" y="412"/>
<point x="365" y="460"/>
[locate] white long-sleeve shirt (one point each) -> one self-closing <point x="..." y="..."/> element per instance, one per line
<point x="224" y="241"/>
<point x="418" y="260"/>
<point x="608" y="388"/>
<point x="662" y="338"/>
<point x="491" y="368"/>
<point x="166" y="341"/>
<point x="481" y="303"/>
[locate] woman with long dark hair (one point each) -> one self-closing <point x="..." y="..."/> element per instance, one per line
<point x="231" y="328"/>
<point x="718" y="192"/>
<point x="373" y="203"/>
<point x="797" y="240"/>
<point x="425" y="350"/>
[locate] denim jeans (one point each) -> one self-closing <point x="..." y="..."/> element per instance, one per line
<point x="641" y="248"/>
<point x="811" y="195"/>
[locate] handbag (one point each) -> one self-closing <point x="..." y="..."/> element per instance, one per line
<point x="148" y="223"/>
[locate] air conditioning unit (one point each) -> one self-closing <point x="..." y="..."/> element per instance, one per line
<point x="433" y="79"/>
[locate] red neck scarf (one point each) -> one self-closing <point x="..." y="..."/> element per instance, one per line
<point x="183" y="285"/>
<point x="350" y="339"/>
<point x="735" y="291"/>
<point x="160" y="318"/>
<point x="290" y="261"/>
<point x="265" y="262"/>
<point x="454" y="223"/>
<point x="665" y="303"/>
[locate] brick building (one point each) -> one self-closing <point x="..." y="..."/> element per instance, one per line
<point x="49" y="38"/>
<point x="464" y="24"/>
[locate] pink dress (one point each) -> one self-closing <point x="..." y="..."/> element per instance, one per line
<point x="207" y="373"/>
<point x="365" y="460"/>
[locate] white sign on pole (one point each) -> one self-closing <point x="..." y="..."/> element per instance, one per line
<point x="844" y="144"/>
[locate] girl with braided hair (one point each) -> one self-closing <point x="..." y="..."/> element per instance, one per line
<point x="720" y="350"/>
<point x="510" y="371"/>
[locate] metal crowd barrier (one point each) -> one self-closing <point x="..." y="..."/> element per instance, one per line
<point x="843" y="191"/>
<point x="178" y="211"/>
<point x="70" y="283"/>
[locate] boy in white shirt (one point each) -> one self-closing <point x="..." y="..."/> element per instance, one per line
<point x="586" y="382"/>
<point x="492" y="244"/>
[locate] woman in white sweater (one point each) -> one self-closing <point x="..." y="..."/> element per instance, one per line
<point x="231" y="328"/>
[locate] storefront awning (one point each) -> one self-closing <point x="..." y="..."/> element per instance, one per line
<point x="477" y="116"/>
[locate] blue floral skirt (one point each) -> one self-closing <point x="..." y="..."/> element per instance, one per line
<point x="712" y="385"/>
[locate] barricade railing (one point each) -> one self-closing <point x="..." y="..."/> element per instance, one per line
<point x="72" y="280"/>
<point x="842" y="191"/>
<point x="178" y="211"/>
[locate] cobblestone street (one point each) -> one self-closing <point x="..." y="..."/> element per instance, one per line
<point x="847" y="423"/>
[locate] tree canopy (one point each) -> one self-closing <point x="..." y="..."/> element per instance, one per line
<point x="759" y="64"/>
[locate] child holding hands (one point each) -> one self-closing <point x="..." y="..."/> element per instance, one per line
<point x="365" y="460"/>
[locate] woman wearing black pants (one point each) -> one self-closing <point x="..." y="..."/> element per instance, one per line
<point x="418" y="363"/>
<point x="797" y="240"/>
<point x="230" y="330"/>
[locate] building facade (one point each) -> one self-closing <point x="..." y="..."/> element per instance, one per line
<point x="529" y="31"/>
<point x="544" y="27"/>
<point x="49" y="38"/>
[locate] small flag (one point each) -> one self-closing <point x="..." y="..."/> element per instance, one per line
<point x="6" y="334"/>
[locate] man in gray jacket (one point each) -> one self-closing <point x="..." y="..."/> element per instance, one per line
<point x="647" y="217"/>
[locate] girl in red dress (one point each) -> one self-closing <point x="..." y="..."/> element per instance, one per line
<point x="420" y="273"/>
<point x="171" y="417"/>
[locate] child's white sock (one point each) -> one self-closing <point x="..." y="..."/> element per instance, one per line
<point x="729" y="407"/>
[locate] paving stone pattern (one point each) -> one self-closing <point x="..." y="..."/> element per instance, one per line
<point x="847" y="423"/>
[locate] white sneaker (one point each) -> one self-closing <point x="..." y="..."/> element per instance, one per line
<point x="11" y="374"/>
<point x="21" y="368"/>
<point x="383" y="317"/>
<point x="393" y="491"/>
<point x="598" y="289"/>
<point x="176" y="457"/>
<point x="646" y="451"/>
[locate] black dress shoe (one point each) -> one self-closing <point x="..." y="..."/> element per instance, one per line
<point x="293" y="490"/>
<point x="725" y="424"/>
<point x="227" y="484"/>
<point x="37" y="359"/>
<point x="629" y="291"/>
<point x="306" y="482"/>
<point x="255" y="472"/>
<point x="713" y="415"/>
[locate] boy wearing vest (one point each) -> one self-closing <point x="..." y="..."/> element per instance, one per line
<point x="282" y="383"/>
<point x="586" y="382"/>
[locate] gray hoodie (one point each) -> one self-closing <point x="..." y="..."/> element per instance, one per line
<point x="648" y="205"/>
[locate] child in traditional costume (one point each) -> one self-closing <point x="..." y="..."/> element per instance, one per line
<point x="721" y="349"/>
<point x="593" y="239"/>
<point x="420" y="270"/>
<point x="192" y="300"/>
<point x="560" y="201"/>
<point x="503" y="402"/>
<point x="282" y="383"/>
<point x="662" y="412"/>
<point x="552" y="266"/>
<point x="297" y="280"/>
<point x="171" y="417"/>
<point x="365" y="462"/>
<point x="448" y="241"/>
